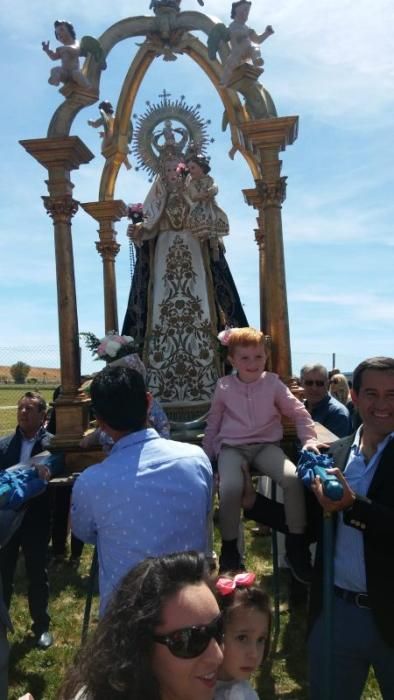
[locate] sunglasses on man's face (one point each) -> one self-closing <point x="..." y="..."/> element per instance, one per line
<point x="317" y="382"/>
<point x="190" y="642"/>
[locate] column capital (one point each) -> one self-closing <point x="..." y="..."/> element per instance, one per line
<point x="60" y="208"/>
<point x="67" y="152"/>
<point x="108" y="249"/>
<point x="272" y="194"/>
<point x="266" y="194"/>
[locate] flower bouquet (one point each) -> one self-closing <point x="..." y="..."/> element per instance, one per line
<point x="135" y="212"/>
<point x="111" y="347"/>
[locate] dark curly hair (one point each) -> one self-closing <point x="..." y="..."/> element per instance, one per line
<point x="106" y="106"/>
<point x="249" y="597"/>
<point x="116" y="663"/>
<point x="235" y="6"/>
<point x="69" y="26"/>
<point x="200" y="160"/>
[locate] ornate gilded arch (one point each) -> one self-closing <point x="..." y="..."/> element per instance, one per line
<point x="256" y="131"/>
<point x="258" y="103"/>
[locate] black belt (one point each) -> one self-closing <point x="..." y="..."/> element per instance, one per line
<point x="359" y="599"/>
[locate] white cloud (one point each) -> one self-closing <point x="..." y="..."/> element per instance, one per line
<point x="363" y="306"/>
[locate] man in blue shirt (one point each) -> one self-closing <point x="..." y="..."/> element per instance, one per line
<point x="323" y="407"/>
<point x="363" y="612"/>
<point x="149" y="497"/>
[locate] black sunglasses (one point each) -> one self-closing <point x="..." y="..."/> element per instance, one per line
<point x="190" y="642"/>
<point x="311" y="382"/>
<point x="334" y="381"/>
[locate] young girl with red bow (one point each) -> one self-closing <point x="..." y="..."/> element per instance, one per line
<point x="247" y="625"/>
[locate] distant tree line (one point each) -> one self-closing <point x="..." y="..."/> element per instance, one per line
<point x="19" y="372"/>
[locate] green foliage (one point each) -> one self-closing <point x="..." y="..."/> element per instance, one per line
<point x="91" y="341"/>
<point x="19" y="372"/>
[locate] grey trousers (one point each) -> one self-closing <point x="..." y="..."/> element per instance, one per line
<point x="266" y="459"/>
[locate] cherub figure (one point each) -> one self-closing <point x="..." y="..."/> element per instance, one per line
<point x="243" y="40"/>
<point x="68" y="54"/>
<point x="106" y="120"/>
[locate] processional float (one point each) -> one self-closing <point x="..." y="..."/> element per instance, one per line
<point x="232" y="61"/>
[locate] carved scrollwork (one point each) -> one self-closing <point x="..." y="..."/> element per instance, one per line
<point x="272" y="194"/>
<point x="60" y="209"/>
<point x="108" y="249"/>
<point x="166" y="46"/>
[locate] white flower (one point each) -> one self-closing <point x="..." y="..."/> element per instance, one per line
<point x="112" y="348"/>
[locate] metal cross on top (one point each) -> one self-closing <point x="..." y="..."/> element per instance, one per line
<point x="165" y="94"/>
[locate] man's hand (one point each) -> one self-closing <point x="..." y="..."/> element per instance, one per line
<point x="327" y="504"/>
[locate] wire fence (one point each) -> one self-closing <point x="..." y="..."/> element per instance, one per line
<point x="43" y="373"/>
<point x="25" y="368"/>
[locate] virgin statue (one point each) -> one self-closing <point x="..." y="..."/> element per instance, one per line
<point x="182" y="290"/>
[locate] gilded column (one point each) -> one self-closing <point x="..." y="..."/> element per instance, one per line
<point x="268" y="137"/>
<point x="59" y="156"/>
<point x="106" y="213"/>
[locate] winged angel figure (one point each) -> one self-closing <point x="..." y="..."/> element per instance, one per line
<point x="68" y="54"/>
<point x="106" y="121"/>
<point x="243" y="41"/>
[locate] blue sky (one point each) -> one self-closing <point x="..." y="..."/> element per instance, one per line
<point x="331" y="62"/>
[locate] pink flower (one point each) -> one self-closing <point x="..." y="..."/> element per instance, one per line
<point x="224" y="336"/>
<point x="226" y="585"/>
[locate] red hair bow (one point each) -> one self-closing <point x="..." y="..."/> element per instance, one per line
<point x="226" y="585"/>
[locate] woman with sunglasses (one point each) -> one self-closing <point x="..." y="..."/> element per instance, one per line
<point x="158" y="640"/>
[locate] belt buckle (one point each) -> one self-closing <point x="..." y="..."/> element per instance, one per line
<point x="359" y="597"/>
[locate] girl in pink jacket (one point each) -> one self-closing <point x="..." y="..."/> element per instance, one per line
<point x="245" y="427"/>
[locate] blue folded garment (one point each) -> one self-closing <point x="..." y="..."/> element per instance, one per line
<point x="307" y="463"/>
<point x="18" y="485"/>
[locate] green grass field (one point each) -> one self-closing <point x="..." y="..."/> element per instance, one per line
<point x="283" y="676"/>
<point x="9" y="396"/>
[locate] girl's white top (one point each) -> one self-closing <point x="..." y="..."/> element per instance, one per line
<point x="235" y="690"/>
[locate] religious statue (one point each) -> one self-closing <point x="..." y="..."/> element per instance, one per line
<point x="182" y="290"/>
<point x="68" y="54"/>
<point x="106" y="120"/>
<point x="175" y="4"/>
<point x="205" y="220"/>
<point x="244" y="41"/>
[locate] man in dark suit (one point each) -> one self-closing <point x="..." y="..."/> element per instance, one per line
<point x="30" y="438"/>
<point x="363" y="612"/>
